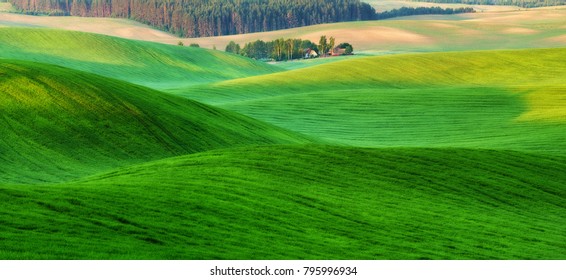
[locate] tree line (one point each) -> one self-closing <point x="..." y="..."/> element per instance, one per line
<point x="287" y="49"/>
<point x="199" y="18"/>
<point x="410" y="11"/>
<point x="202" y="18"/>
<point x="520" y="3"/>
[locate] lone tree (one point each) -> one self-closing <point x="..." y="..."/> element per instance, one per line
<point x="331" y="43"/>
<point x="322" y="45"/>
<point x="180" y="43"/>
<point x="279" y="47"/>
<point x="290" y="48"/>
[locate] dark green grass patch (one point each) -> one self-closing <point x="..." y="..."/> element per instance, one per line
<point x="299" y="202"/>
<point x="59" y="123"/>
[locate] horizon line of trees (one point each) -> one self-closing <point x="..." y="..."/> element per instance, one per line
<point x="519" y="3"/>
<point x="410" y="11"/>
<point x="204" y="18"/>
<point x="286" y="49"/>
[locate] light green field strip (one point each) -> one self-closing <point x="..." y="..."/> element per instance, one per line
<point x="57" y="123"/>
<point x="150" y="64"/>
<point x="488" y="99"/>
<point x="301" y="202"/>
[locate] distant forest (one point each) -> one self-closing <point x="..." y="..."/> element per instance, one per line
<point x="202" y="18"/>
<point x="520" y="3"/>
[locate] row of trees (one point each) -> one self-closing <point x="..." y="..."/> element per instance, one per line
<point x="410" y="11"/>
<point x="520" y="3"/>
<point x="286" y="49"/>
<point x="197" y="18"/>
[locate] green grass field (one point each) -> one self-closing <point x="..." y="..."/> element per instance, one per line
<point x="451" y="155"/>
<point x="490" y="99"/>
<point x="150" y="64"/>
<point x="299" y="202"/>
<point x="60" y="123"/>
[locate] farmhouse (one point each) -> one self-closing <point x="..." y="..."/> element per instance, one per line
<point x="310" y="53"/>
<point x="338" y="51"/>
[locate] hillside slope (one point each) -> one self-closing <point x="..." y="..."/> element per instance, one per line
<point x="300" y="202"/>
<point x="155" y="65"/>
<point x="488" y="99"/>
<point x="60" y="123"/>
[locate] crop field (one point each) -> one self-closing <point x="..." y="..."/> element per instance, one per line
<point x="533" y="28"/>
<point x="149" y="64"/>
<point x="446" y="142"/>
<point x="458" y="99"/>
<point x="54" y="129"/>
<point x="301" y="202"/>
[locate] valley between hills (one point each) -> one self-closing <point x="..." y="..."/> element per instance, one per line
<point x="443" y="137"/>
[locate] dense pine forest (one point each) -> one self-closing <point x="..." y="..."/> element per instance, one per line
<point x="202" y="18"/>
<point x="520" y="3"/>
<point x="199" y="18"/>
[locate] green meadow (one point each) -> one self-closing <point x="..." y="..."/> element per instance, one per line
<point x="299" y="202"/>
<point x="60" y="123"/>
<point x="483" y="99"/>
<point x="119" y="149"/>
<point x="150" y="64"/>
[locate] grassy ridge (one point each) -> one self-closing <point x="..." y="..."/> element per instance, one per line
<point x="150" y="64"/>
<point x="59" y="123"/>
<point x="63" y="131"/>
<point x="493" y="99"/>
<point x="472" y="69"/>
<point x="301" y="202"/>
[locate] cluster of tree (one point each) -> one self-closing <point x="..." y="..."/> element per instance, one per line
<point x="197" y="18"/>
<point x="410" y="11"/>
<point x="287" y="49"/>
<point x="520" y="3"/>
<point x="194" y="45"/>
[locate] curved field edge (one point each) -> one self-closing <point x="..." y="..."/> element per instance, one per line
<point x="531" y="28"/>
<point x="154" y="65"/>
<point x="299" y="202"/>
<point x="512" y="99"/>
<point x="57" y="123"/>
<point x="500" y="68"/>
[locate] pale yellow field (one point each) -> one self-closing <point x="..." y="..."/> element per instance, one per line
<point x="386" y="5"/>
<point x="5" y="7"/>
<point x="545" y="104"/>
<point x="483" y="30"/>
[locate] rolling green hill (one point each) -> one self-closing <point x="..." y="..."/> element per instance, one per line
<point x="488" y="99"/>
<point x="150" y="64"/>
<point x="463" y="154"/>
<point x="58" y="123"/>
<point x="299" y="202"/>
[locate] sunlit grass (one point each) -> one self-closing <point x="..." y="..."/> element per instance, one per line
<point x="156" y="65"/>
<point x="487" y="99"/>
<point x="59" y="123"/>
